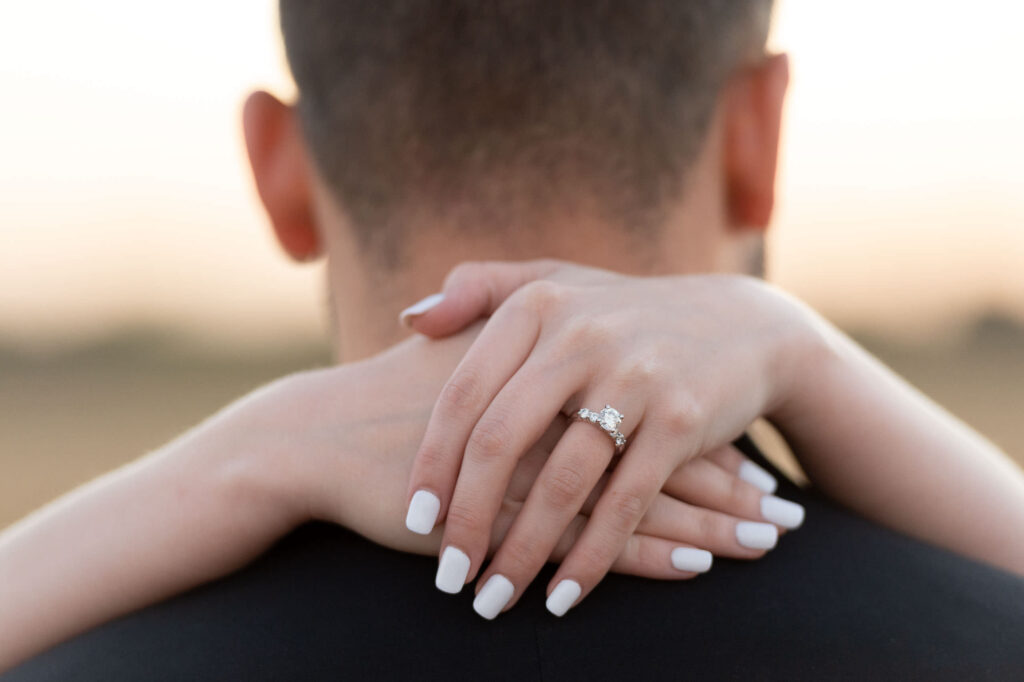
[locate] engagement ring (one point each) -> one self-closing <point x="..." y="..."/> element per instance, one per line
<point x="608" y="419"/>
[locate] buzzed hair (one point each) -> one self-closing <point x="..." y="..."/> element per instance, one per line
<point x="491" y="114"/>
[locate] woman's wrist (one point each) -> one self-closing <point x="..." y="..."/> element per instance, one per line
<point x="806" y="351"/>
<point x="258" y="452"/>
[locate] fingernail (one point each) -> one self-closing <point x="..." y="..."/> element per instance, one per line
<point x="756" y="535"/>
<point x="422" y="512"/>
<point x="563" y="597"/>
<point x="691" y="559"/>
<point x="782" y="512"/>
<point x="452" y="570"/>
<point x="758" y="477"/>
<point x="493" y="597"/>
<point x="419" y="308"/>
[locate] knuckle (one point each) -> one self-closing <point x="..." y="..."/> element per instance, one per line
<point x="639" y="372"/>
<point x="682" y="416"/>
<point x="595" y="558"/>
<point x="431" y="458"/>
<point x="715" y="529"/>
<point x="564" y="486"/>
<point x="540" y="295"/>
<point x="462" y="520"/>
<point x="625" y="507"/>
<point x="518" y="558"/>
<point x="490" y="438"/>
<point x="583" y="332"/>
<point x="461" y="392"/>
<point x="576" y="332"/>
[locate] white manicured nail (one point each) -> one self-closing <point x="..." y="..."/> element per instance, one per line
<point x="691" y="559"/>
<point x="782" y="512"/>
<point x="493" y="597"/>
<point x="756" y="535"/>
<point x="420" y="307"/>
<point x="758" y="477"/>
<point x="422" y="512"/>
<point x="452" y="570"/>
<point x="563" y="597"/>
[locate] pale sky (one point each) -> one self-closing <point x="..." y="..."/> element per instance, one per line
<point x="124" y="196"/>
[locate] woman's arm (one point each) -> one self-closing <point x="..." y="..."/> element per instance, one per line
<point x="178" y="517"/>
<point x="334" y="444"/>
<point x="727" y="349"/>
<point x="871" y="441"/>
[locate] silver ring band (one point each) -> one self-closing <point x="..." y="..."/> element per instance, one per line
<point x="608" y="419"/>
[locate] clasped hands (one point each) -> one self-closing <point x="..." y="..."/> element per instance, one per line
<point x="691" y="361"/>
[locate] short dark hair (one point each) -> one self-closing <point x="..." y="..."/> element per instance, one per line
<point x="494" y="112"/>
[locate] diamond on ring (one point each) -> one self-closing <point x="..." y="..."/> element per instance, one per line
<point x="608" y="419"/>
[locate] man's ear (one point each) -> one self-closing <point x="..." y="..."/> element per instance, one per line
<point x="280" y="167"/>
<point x="753" y="120"/>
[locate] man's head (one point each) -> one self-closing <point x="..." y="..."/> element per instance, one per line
<point x="521" y="125"/>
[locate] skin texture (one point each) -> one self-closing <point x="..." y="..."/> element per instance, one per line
<point x="207" y="480"/>
<point x="717" y="225"/>
<point x="334" y="444"/>
<point x="656" y="348"/>
<point x="699" y="358"/>
<point x="212" y="499"/>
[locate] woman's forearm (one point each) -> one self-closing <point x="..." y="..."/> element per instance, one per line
<point x="179" y="517"/>
<point x="874" y="443"/>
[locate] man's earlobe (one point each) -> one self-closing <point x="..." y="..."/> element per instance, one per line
<point x="280" y="168"/>
<point x="753" y="121"/>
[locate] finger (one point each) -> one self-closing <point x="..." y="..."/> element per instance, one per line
<point x="530" y="464"/>
<point x="643" y="555"/>
<point x="495" y="356"/>
<point x="733" y="460"/>
<point x="472" y="290"/>
<point x="702" y="483"/>
<point x="632" y="488"/>
<point x="515" y="419"/>
<point x="707" y="486"/>
<point x="721" y="534"/>
<point x="563" y="485"/>
<point x="675" y="520"/>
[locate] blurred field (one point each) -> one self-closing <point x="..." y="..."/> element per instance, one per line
<point x="67" y="417"/>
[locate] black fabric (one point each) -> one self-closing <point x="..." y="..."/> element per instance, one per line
<point x="839" y="599"/>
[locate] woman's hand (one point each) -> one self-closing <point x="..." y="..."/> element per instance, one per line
<point x="348" y="461"/>
<point x="689" y="361"/>
<point x="334" y="444"/>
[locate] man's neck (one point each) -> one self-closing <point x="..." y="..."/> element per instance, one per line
<point x="366" y="297"/>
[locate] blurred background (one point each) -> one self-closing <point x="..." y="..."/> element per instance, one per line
<point x="140" y="289"/>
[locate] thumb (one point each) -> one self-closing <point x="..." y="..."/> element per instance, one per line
<point x="471" y="291"/>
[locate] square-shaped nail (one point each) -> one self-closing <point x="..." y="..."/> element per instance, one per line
<point x="754" y="535"/>
<point x="782" y="512"/>
<point x="492" y="598"/>
<point x="452" y="570"/>
<point x="691" y="559"/>
<point x="758" y="477"/>
<point x="422" y="512"/>
<point x="563" y="597"/>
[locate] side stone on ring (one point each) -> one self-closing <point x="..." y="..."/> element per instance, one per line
<point x="608" y="419"/>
